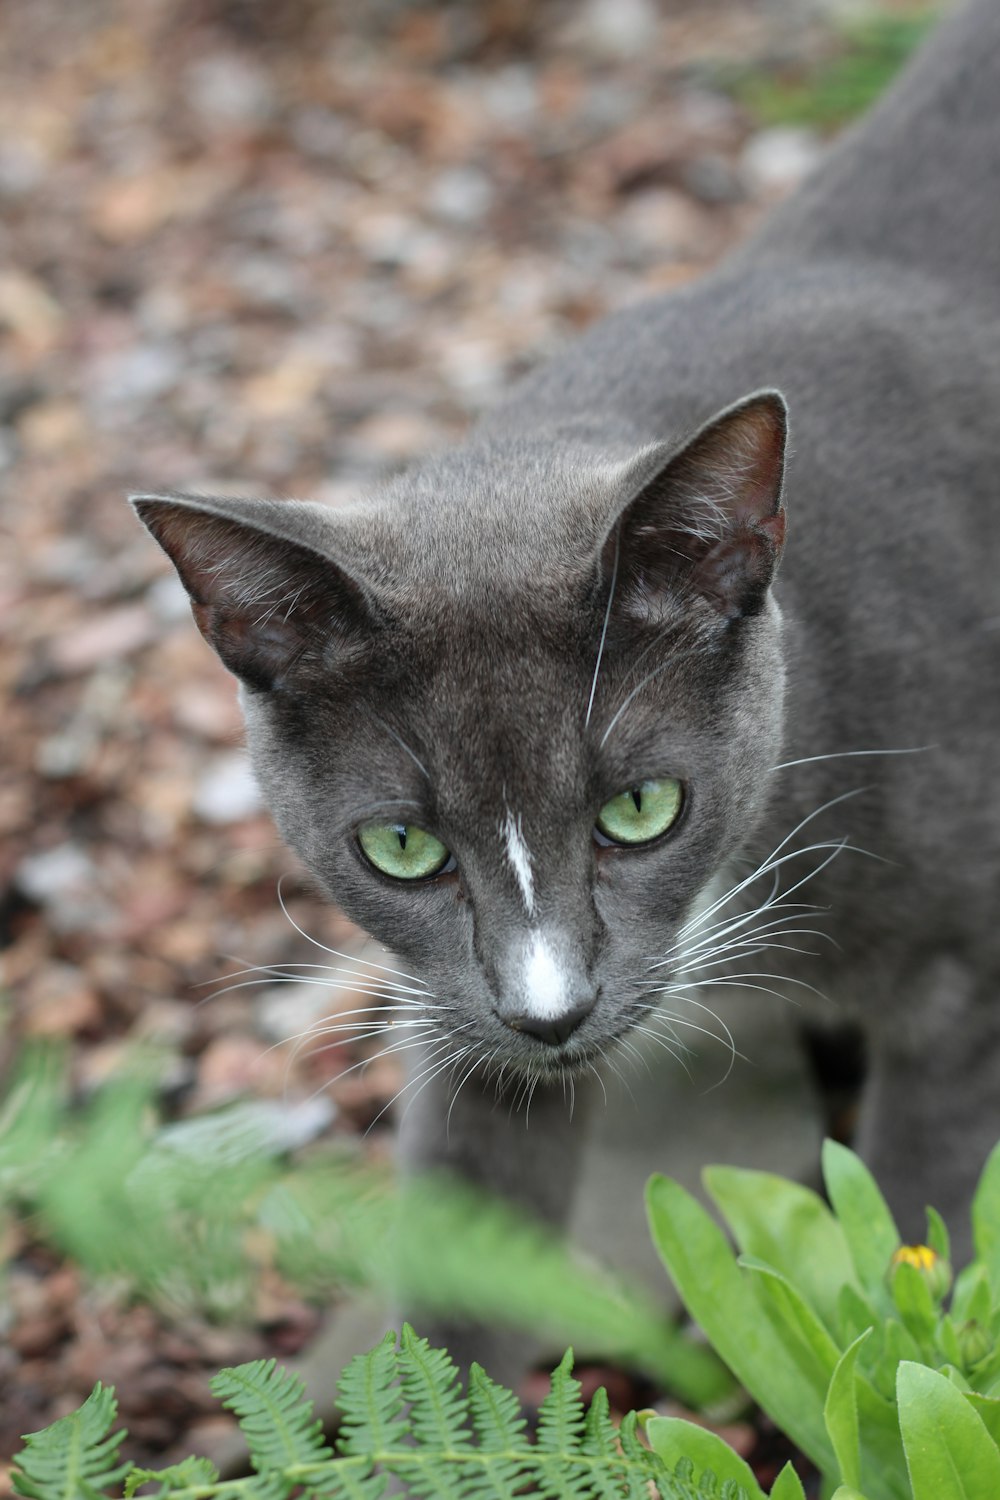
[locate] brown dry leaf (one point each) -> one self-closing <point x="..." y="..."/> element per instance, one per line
<point x="29" y="310"/>
<point x="106" y="635"/>
<point x="58" y="1002"/>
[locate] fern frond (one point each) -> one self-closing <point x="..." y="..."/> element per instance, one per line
<point x="191" y="1473"/>
<point x="438" y="1410"/>
<point x="347" y="1483"/>
<point x="499" y="1430"/>
<point x="456" y="1448"/>
<point x="438" y="1419"/>
<point x="560" y="1417"/>
<point x="560" y="1431"/>
<point x="496" y="1413"/>
<point x="74" y="1459"/>
<point x="275" y="1416"/>
<point x="371" y="1403"/>
<point x="600" y="1440"/>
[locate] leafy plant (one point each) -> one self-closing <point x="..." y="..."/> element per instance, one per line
<point x="186" y="1214"/>
<point x="404" y="1415"/>
<point x="850" y="1341"/>
<point x="863" y="1350"/>
<point x="869" y="53"/>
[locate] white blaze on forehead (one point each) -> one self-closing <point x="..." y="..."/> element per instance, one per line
<point x="518" y="857"/>
<point x="545" y="988"/>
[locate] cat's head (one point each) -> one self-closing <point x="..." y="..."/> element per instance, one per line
<point x="516" y="712"/>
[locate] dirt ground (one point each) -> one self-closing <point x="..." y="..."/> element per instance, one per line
<point x="272" y="248"/>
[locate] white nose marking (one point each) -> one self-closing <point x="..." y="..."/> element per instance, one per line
<point x="544" y="980"/>
<point x="519" y="858"/>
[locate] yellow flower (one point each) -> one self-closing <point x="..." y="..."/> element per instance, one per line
<point x="935" y="1271"/>
<point x="922" y="1257"/>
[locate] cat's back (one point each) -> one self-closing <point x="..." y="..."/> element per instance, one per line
<point x="917" y="182"/>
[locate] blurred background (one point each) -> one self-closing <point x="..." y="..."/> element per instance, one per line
<point x="285" y="248"/>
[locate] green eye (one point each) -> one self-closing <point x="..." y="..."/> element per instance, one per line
<point x="642" y="813"/>
<point x="402" y="850"/>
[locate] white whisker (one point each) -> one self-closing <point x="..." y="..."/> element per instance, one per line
<point x="808" y="760"/>
<point x="336" y="951"/>
<point x="604" y="630"/>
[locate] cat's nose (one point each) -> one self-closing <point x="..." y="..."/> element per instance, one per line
<point x="554" y="1030"/>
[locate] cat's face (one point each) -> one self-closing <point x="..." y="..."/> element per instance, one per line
<point x="515" y="745"/>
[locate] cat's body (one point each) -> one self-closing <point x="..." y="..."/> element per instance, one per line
<point x="576" y="602"/>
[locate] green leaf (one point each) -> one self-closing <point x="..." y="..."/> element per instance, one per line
<point x="987" y="1408"/>
<point x="671" y="1438"/>
<point x="937" y="1234"/>
<point x="191" y="1473"/>
<point x="986" y="1218"/>
<point x="841" y="1413"/>
<point x="74" y="1458"/>
<point x="855" y="1315"/>
<point x="788" y="1485"/>
<point x="789" y="1227"/>
<point x="872" y="1236"/>
<point x="600" y="1440"/>
<point x="972" y="1297"/>
<point x="803" y="1335"/>
<point x="274" y="1415"/>
<point x="497" y="1419"/>
<point x="949" y="1453"/>
<point x="453" y="1232"/>
<point x="947" y="1341"/>
<point x="560" y="1430"/>
<point x="913" y="1299"/>
<point x="438" y="1413"/>
<point x="727" y="1306"/>
<point x="560" y="1416"/>
<point x="371" y="1403"/>
<point x="430" y="1384"/>
<point x="847" y="1492"/>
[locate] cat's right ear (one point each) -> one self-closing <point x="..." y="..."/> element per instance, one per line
<point x="707" y="518"/>
<point x="275" y="609"/>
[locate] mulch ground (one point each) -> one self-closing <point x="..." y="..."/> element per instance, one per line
<point x="267" y="248"/>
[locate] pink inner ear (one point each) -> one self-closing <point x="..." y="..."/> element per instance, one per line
<point x="737" y="463"/>
<point x="711" y="521"/>
<point x="267" y="606"/>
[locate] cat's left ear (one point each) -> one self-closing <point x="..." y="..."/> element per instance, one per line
<point x="710" y="518"/>
<point x="264" y="591"/>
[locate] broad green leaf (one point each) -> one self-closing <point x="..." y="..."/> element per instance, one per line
<point x="841" y="1413"/>
<point x="805" y="1339"/>
<point x="788" y="1485"/>
<point x="789" y="1227"/>
<point x="986" y="1217"/>
<point x="937" y="1234"/>
<point x="799" y="1329"/>
<point x="726" y="1305"/>
<point x="864" y="1215"/>
<point x="855" y="1315"/>
<point x="949" y="1453"/>
<point x="671" y="1438"/>
<point x="847" y="1492"/>
<point x="915" y="1304"/>
<point x="947" y="1340"/>
<point x="988" y="1410"/>
<point x="972" y="1296"/>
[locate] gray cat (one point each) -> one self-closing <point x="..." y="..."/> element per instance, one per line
<point x="541" y="717"/>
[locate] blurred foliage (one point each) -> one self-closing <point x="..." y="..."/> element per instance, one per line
<point x="188" y="1214"/>
<point x="868" y="55"/>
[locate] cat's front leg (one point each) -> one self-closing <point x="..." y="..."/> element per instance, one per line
<point x="931" y="1103"/>
<point x="527" y="1154"/>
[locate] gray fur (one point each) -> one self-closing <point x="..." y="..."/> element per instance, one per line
<point x="438" y="645"/>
